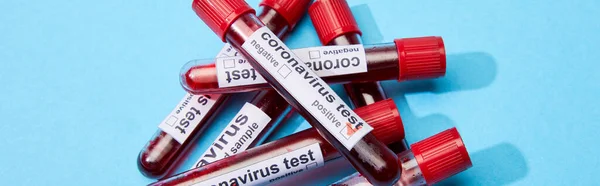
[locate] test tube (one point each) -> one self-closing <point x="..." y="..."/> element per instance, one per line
<point x="382" y="115"/>
<point x="335" y="25"/>
<point x="430" y="161"/>
<point x="248" y="128"/>
<point x="235" y="22"/>
<point x="404" y="59"/>
<point x="177" y="130"/>
<point x="346" y="32"/>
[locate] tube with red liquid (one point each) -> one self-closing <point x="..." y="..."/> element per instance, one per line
<point x="249" y="127"/>
<point x="194" y="112"/>
<point x="335" y="25"/>
<point x="271" y="105"/>
<point x="255" y="121"/>
<point x="267" y="163"/>
<point x="404" y="59"/>
<point x="234" y="21"/>
<point x="430" y="161"/>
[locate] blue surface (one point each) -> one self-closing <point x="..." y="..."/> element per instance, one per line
<point x="85" y="84"/>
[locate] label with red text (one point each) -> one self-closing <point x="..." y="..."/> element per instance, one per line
<point x="313" y="94"/>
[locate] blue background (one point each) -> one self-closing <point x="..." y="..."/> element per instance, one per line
<point x="84" y="85"/>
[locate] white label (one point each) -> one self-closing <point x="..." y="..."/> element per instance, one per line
<point x="236" y="71"/>
<point x="186" y="116"/>
<point x="272" y="169"/>
<point x="306" y="87"/>
<point x="191" y="109"/>
<point x="324" y="61"/>
<point x="334" y="60"/>
<point x="237" y="136"/>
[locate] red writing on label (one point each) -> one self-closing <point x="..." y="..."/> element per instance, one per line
<point x="350" y="130"/>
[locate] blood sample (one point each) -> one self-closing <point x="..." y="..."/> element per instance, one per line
<point x="248" y="128"/>
<point x="235" y="22"/>
<point x="194" y="112"/>
<point x="335" y="25"/>
<point x="431" y="160"/>
<point x="404" y="59"/>
<point x="274" y="106"/>
<point x="382" y="115"/>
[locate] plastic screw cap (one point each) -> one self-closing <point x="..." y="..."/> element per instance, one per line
<point x="421" y="58"/>
<point x="441" y="156"/>
<point x="220" y="14"/>
<point x="331" y="19"/>
<point x="384" y="117"/>
<point x="291" y="10"/>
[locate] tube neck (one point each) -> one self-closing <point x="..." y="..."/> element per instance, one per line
<point x="411" y="173"/>
<point x="274" y="21"/>
<point x="242" y="28"/>
<point x="346" y="39"/>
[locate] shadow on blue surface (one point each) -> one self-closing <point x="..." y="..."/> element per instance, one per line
<point x="501" y="164"/>
<point x="468" y="71"/>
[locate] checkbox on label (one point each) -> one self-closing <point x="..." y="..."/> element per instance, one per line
<point x="312" y="165"/>
<point x="171" y="121"/>
<point x="314" y="54"/>
<point x="229" y="63"/>
<point x="284" y="71"/>
<point x="347" y="132"/>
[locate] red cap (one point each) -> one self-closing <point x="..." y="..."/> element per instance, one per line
<point x="291" y="10"/>
<point x="421" y="58"/>
<point x="441" y="156"/>
<point x="220" y="14"/>
<point x="331" y="19"/>
<point x="384" y="117"/>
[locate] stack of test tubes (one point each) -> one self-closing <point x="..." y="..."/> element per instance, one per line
<point x="368" y="134"/>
